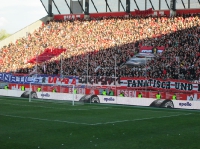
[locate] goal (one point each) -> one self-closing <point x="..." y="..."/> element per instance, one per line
<point x="55" y="93"/>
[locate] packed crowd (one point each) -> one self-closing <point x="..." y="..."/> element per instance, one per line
<point x="102" y="43"/>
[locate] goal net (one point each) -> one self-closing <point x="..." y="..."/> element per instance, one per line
<point x="70" y="94"/>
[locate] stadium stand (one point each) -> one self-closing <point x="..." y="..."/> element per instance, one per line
<point x="104" y="38"/>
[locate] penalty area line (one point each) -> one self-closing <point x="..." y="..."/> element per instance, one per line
<point x="47" y="107"/>
<point x="41" y="119"/>
<point x="141" y="119"/>
<point x="94" y="124"/>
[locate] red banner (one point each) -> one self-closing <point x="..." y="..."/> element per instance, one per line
<point x="68" y="16"/>
<point x="124" y="14"/>
<point x="187" y="11"/>
<point x="108" y="14"/>
<point x="144" y="12"/>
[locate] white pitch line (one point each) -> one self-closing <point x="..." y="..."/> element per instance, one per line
<point x="147" y="109"/>
<point x="36" y="106"/>
<point x="61" y="121"/>
<point x="41" y="119"/>
<point x="100" y="108"/>
<point x="140" y="119"/>
<point x="51" y="107"/>
<point x="94" y="107"/>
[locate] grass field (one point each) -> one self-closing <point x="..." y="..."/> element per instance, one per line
<point x="54" y="125"/>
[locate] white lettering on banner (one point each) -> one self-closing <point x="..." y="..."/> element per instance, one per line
<point x="127" y="93"/>
<point x="104" y="82"/>
<point x="158" y="84"/>
<point x="6" y="77"/>
<point x="92" y="91"/>
<point x="161" y="13"/>
<point x="71" y="16"/>
<point x="79" y="90"/>
<point x="196" y="81"/>
<point x="71" y="90"/>
<point x="150" y="51"/>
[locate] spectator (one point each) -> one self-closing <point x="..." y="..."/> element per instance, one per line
<point x="100" y="43"/>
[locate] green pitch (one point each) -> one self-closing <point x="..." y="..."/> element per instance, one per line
<point x="54" y="125"/>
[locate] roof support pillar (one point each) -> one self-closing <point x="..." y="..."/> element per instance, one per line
<point x="50" y="14"/>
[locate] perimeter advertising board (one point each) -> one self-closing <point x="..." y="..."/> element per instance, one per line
<point x="152" y="102"/>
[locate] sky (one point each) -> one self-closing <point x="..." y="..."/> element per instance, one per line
<point x="17" y="14"/>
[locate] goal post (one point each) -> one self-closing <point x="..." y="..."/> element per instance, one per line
<point x="30" y="88"/>
<point x="55" y="93"/>
<point x="73" y="95"/>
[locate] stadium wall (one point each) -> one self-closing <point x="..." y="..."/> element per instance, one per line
<point x="23" y="32"/>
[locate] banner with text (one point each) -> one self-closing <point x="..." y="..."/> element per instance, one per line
<point x="158" y="84"/>
<point x="150" y="49"/>
<point x="105" y="82"/>
<point x="144" y="12"/>
<point x="39" y="79"/>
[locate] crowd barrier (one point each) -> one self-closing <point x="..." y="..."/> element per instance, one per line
<point x="151" y="102"/>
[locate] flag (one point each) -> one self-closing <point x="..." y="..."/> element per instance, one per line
<point x="44" y="68"/>
<point x="33" y="72"/>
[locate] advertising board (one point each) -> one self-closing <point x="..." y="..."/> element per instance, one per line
<point x="151" y="102"/>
